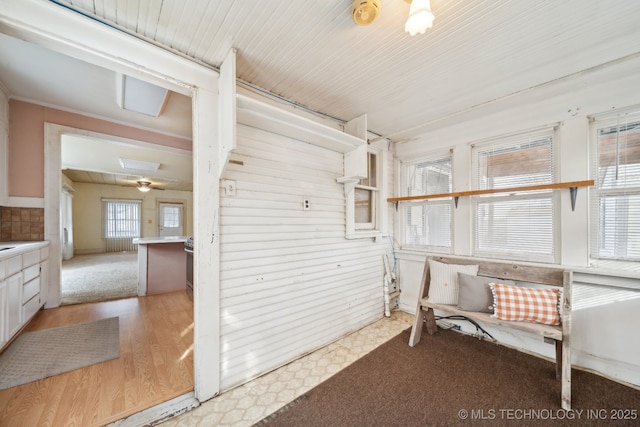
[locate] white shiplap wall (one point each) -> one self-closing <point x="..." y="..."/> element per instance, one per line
<point x="290" y="281"/>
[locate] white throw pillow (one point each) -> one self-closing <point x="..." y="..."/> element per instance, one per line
<point x="443" y="288"/>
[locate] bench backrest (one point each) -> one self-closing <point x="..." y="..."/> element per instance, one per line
<point x="553" y="276"/>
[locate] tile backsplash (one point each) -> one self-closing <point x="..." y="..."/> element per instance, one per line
<point x="21" y="224"/>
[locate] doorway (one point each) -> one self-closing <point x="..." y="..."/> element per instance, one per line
<point x="109" y="210"/>
<point x="66" y="222"/>
<point x="56" y="28"/>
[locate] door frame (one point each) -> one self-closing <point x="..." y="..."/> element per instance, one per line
<point x="56" y="28"/>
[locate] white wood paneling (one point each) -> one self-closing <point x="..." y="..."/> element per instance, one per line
<point x="314" y="54"/>
<point x="227" y="111"/>
<point x="290" y="281"/>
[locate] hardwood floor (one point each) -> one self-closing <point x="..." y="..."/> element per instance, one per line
<point x="155" y="365"/>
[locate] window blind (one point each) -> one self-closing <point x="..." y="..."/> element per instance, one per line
<point x="513" y="162"/>
<point x="428" y="224"/>
<point x="121" y="218"/>
<point x="516" y="225"/>
<point x="615" y="201"/>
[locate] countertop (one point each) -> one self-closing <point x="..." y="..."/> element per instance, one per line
<point x="17" y="248"/>
<point x="168" y="239"/>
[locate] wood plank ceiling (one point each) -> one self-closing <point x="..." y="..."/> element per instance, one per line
<point x="312" y="53"/>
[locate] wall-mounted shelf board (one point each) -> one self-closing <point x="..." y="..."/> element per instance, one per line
<point x="572" y="186"/>
<point x="254" y="113"/>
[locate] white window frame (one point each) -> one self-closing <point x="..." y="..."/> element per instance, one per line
<point x="597" y="257"/>
<point x="449" y="201"/>
<point x="376" y="227"/>
<point x="554" y="198"/>
<point x="374" y="191"/>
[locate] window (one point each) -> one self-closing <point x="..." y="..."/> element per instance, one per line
<point x="365" y="201"/>
<point x="121" y="219"/>
<point x="428" y="223"/>
<point x="366" y="196"/>
<point x="615" y="209"/>
<point x="171" y="216"/>
<point x="517" y="225"/>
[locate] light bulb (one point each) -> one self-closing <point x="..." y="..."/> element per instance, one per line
<point x="420" y="17"/>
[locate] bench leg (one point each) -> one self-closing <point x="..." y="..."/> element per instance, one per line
<point x="566" y="374"/>
<point x="416" y="330"/>
<point x="558" y="359"/>
<point x="432" y="327"/>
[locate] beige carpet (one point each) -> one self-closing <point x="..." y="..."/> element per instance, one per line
<point x="41" y="354"/>
<point x="99" y="277"/>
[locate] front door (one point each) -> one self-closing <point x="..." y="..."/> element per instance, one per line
<point x="170" y="221"/>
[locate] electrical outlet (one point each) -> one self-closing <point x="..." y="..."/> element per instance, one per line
<point x="306" y="205"/>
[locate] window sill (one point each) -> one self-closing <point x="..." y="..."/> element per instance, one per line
<point x="364" y="234"/>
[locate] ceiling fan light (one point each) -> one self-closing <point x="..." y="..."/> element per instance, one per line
<point x="364" y="12"/>
<point x="144" y="186"/>
<point x="420" y="17"/>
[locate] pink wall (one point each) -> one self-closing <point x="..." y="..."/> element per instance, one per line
<point x="26" y="142"/>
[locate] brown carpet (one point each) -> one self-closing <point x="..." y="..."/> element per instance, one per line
<point x="453" y="379"/>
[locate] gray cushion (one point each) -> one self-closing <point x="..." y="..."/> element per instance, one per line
<point x="474" y="293"/>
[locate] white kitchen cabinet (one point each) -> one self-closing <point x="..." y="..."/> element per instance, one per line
<point x="44" y="280"/>
<point x="4" y="333"/>
<point x="14" y="304"/>
<point x="30" y="298"/>
<point x="24" y="269"/>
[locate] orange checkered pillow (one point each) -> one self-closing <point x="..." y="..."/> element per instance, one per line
<point x="525" y="304"/>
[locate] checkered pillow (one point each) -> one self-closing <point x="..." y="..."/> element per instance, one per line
<point x="525" y="304"/>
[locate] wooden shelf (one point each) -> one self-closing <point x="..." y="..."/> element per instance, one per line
<point x="258" y="114"/>
<point x="573" y="186"/>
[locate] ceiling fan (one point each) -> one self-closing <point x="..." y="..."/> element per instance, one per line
<point x="142" y="184"/>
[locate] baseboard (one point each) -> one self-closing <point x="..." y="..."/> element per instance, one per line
<point x="159" y="413"/>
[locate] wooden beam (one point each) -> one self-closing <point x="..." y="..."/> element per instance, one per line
<point x="587" y="183"/>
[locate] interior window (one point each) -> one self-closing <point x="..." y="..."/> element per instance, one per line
<point x="615" y="209"/>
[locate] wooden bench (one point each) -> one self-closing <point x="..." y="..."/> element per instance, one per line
<point x="553" y="276"/>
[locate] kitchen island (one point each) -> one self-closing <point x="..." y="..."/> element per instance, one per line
<point x="162" y="264"/>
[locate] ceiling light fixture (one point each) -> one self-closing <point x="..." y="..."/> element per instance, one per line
<point x="139" y="96"/>
<point x="144" y="186"/>
<point x="420" y="17"/>
<point x="139" y="165"/>
<point x="364" y="12"/>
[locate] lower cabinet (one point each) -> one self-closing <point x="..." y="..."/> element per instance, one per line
<point x="23" y="290"/>
<point x="4" y="335"/>
<point x="44" y="277"/>
<point x="14" y="304"/>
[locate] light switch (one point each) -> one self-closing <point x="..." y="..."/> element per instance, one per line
<point x="229" y="187"/>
